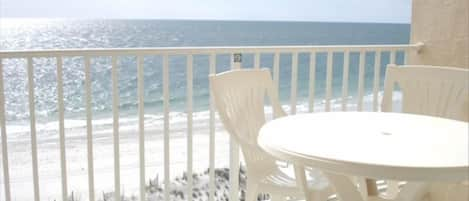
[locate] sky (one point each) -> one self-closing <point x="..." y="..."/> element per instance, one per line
<point x="389" y="11"/>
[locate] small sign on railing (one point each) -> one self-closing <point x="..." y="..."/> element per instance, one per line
<point x="237" y="57"/>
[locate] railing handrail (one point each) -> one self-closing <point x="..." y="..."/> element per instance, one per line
<point x="196" y="50"/>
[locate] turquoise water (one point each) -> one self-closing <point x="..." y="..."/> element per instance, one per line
<point x="57" y="34"/>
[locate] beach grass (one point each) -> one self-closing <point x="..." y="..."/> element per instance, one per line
<point x="178" y="188"/>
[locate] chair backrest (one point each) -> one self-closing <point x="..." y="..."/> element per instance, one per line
<point x="429" y="90"/>
<point x="239" y="97"/>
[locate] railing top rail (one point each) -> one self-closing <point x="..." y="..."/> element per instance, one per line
<point x="197" y="50"/>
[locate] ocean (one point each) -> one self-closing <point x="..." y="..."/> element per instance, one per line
<point x="19" y="34"/>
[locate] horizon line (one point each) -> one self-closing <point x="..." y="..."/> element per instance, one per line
<point x="202" y="19"/>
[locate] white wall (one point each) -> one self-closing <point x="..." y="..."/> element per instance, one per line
<point x="443" y="26"/>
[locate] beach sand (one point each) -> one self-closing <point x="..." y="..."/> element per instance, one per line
<point x="76" y="153"/>
<point x="77" y="166"/>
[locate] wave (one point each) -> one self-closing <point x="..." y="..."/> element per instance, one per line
<point x="178" y="120"/>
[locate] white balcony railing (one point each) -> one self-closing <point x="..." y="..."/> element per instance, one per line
<point x="166" y="53"/>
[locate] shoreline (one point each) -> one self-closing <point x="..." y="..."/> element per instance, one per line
<point x="76" y="153"/>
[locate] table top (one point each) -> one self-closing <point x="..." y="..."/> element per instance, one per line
<point x="371" y="144"/>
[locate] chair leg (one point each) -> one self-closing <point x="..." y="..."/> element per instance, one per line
<point x="302" y="183"/>
<point x="251" y="190"/>
<point x="322" y="195"/>
<point x="276" y="197"/>
<point x="360" y="182"/>
<point x="392" y="189"/>
<point x="345" y="187"/>
<point x="413" y="191"/>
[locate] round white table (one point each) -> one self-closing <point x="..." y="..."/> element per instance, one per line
<point x="393" y="146"/>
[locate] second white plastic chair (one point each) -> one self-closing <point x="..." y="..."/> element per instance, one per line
<point x="428" y="90"/>
<point x="239" y="97"/>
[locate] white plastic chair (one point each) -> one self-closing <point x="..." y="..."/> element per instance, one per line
<point x="427" y="90"/>
<point x="239" y="97"/>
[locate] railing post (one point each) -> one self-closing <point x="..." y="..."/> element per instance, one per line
<point x="234" y="147"/>
<point x="312" y="80"/>
<point x="60" y="100"/>
<point x="329" y="79"/>
<point x="376" y="80"/>
<point x="189" y="105"/>
<point x="257" y="60"/>
<point x="141" y="124"/>
<point x="361" y="80"/>
<point x="276" y="73"/>
<point x="32" y="119"/>
<point x="211" y="196"/>
<point x="115" y="124"/>
<point x="6" y="171"/>
<point x="89" y="129"/>
<point x="166" y="126"/>
<point x="345" y="79"/>
<point x="294" y="82"/>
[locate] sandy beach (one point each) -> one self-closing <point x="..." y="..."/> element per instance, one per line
<point x="76" y="152"/>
